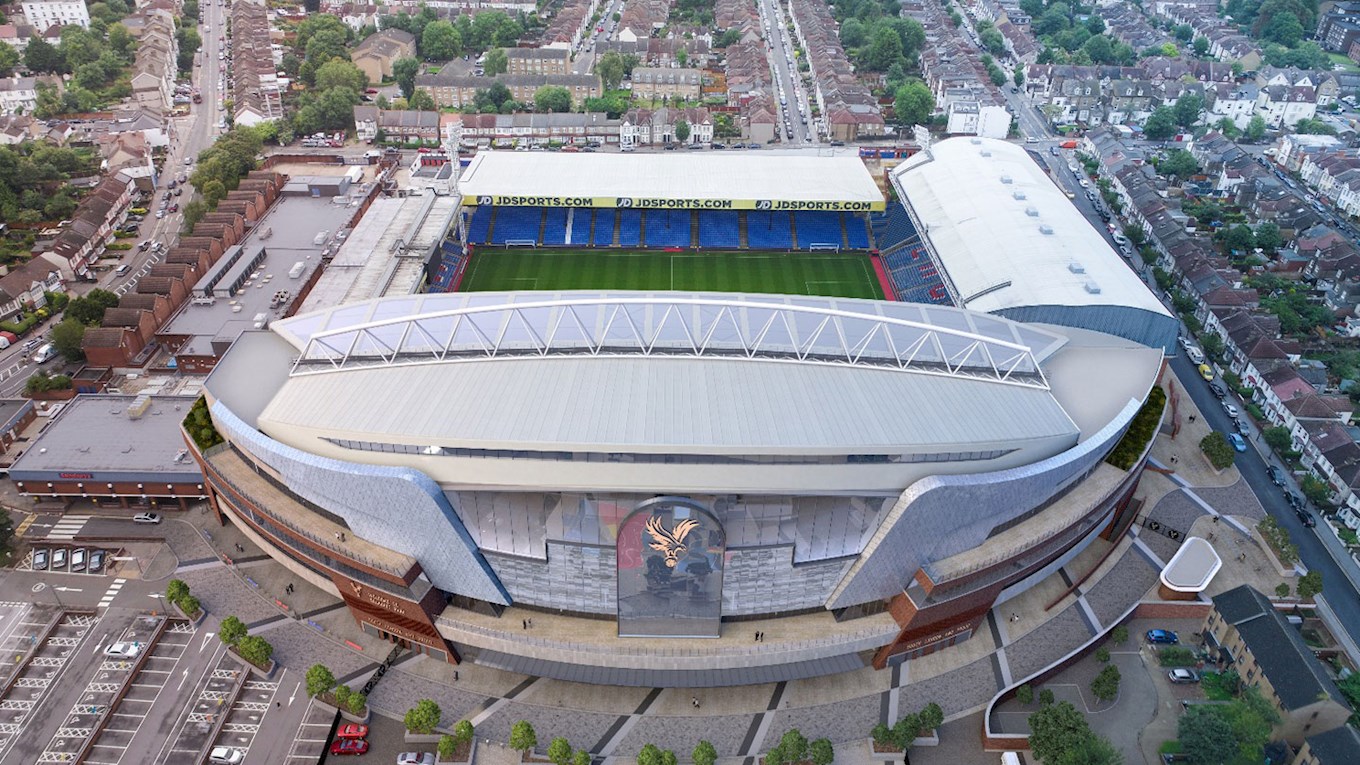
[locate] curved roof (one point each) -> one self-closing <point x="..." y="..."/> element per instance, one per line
<point x="1008" y="236"/>
<point x="642" y="399"/>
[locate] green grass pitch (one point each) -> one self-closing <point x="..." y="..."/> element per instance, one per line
<point x="828" y="274"/>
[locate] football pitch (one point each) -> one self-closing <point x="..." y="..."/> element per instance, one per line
<point x="828" y="274"/>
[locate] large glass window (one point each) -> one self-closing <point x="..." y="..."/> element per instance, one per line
<point x="670" y="569"/>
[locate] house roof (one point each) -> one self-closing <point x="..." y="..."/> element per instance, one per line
<point x="1296" y="675"/>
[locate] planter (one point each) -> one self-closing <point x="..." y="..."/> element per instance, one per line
<point x="464" y="753"/>
<point x="881" y="753"/>
<point x="423" y="738"/>
<point x="265" y="672"/>
<point x="196" y="619"/>
<point x="327" y="701"/>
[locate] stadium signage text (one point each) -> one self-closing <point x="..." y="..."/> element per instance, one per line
<point x="661" y="203"/>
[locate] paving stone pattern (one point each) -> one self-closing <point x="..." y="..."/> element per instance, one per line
<point x="1121" y="587"/>
<point x="299" y="646"/>
<point x="1238" y="499"/>
<point x="582" y="729"/>
<point x="964" y="688"/>
<point x="223" y="595"/>
<point x="1038" y="649"/>
<point x="839" y="722"/>
<point x="1178" y="511"/>
<point x="399" y="691"/>
<point x="680" y="734"/>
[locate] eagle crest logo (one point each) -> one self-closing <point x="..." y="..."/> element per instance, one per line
<point x="670" y="543"/>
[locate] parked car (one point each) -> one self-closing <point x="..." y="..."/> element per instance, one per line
<point x="1238" y="443"/>
<point x="58" y="558"/>
<point x="1207" y="372"/>
<point x="415" y="758"/>
<point x="124" y="651"/>
<point x="146" y="518"/>
<point x="78" y="560"/>
<point x="1306" y="518"/>
<point x="1183" y="676"/>
<point x="97" y="561"/>
<point x="1276" y="475"/>
<point x="1218" y="390"/>
<point x="1230" y="409"/>
<point x="40" y="558"/>
<point x="349" y="746"/>
<point x="1243" y="426"/>
<point x="124" y="268"/>
<point x="226" y="755"/>
<point x="1294" y="500"/>
<point x="352" y="730"/>
<point x="1162" y="636"/>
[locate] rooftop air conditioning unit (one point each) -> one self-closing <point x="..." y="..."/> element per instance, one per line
<point x="1032" y="212"/>
<point x="1093" y="288"/>
<point x="1005" y="179"/>
<point x="1046" y="229"/>
<point x="1017" y="194"/>
<point x="1076" y="267"/>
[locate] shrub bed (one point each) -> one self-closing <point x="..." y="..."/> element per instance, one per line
<point x="1141" y="431"/>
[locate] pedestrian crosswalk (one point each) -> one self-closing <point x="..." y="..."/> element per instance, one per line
<point x="110" y="593"/>
<point x="68" y="527"/>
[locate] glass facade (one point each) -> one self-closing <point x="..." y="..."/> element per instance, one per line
<point x="670" y="571"/>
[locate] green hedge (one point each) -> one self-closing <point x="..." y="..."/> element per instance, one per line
<point x="199" y="425"/>
<point x="22" y="326"/>
<point x="1141" y="431"/>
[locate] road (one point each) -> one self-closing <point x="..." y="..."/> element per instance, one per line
<point x="1031" y="122"/>
<point x="585" y="53"/>
<point x="794" y="107"/>
<point x="1342" y="591"/>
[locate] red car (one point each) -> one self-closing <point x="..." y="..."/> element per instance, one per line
<point x="349" y="746"/>
<point x="352" y="730"/>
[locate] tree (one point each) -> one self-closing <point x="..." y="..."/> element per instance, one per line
<point x="1105" y="686"/>
<point x="90" y="308"/>
<point x="176" y="590"/>
<point x="495" y="62"/>
<point x="1283" y="28"/>
<point x="1056" y="729"/>
<point x="320" y="680"/>
<point x="931" y="716"/>
<point x="1091" y="750"/>
<point x="1216" y="448"/>
<point x="1268" y="237"/>
<point x="1213" y="346"/>
<point x="340" y="72"/>
<point x="421" y="101"/>
<point x="67" y="337"/>
<point x="189" y="605"/>
<point x="342" y="695"/>
<point x="1256" y="128"/>
<point x="610" y="69"/>
<point x="1046" y="697"/>
<point x="447" y="746"/>
<point x="1179" y="163"/>
<point x="1187" y="109"/>
<point x="582" y="757"/>
<point x="193" y="213"/>
<point x="356" y="703"/>
<point x="423" y="717"/>
<point x="1205" y="736"/>
<point x="9" y="59"/>
<point x="649" y="755"/>
<point x="552" y="98"/>
<point x="1025" y="694"/>
<point x="1161" y="124"/>
<point x="1200" y="46"/>
<point x="255" y="650"/>
<point x="905" y="730"/>
<point x="883" y="52"/>
<point x="43" y="57"/>
<point x="793" y="745"/>
<point x="1103" y="654"/>
<point x="404" y="70"/>
<point x="704" y="753"/>
<point x="522" y="737"/>
<point x="463" y="732"/>
<point x="1309" y="584"/>
<point x="231" y="630"/>
<point x="1251" y="718"/>
<point x="1281" y="590"/>
<point x="440" y="42"/>
<point x="1239" y="238"/>
<point x="913" y="103"/>
<point x="559" y="751"/>
<point x="681" y="131"/>
<point x="1120" y="635"/>
<point x="1018" y="77"/>
<point x="821" y="752"/>
<point x="1278" y="439"/>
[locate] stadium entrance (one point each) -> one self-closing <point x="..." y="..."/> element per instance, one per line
<point x="670" y="570"/>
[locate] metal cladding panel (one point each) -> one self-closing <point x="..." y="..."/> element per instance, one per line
<point x="942" y="516"/>
<point x="1146" y="327"/>
<point x="398" y="508"/>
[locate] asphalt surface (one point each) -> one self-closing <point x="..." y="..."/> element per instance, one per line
<point x="788" y="80"/>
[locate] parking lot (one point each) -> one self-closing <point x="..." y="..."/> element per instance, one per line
<point x="312" y="735"/>
<point x="129" y="713"/>
<point x="38" y="672"/>
<point x="227" y="709"/>
<point x="69" y="559"/>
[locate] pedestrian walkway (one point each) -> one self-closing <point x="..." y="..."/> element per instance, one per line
<point x="68" y="527"/>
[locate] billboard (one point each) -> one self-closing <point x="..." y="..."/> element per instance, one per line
<point x="664" y="203"/>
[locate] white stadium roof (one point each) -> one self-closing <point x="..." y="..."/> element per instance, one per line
<point x="1007" y="236"/>
<point x="679" y="175"/>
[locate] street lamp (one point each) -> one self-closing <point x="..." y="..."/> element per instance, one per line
<point x="161" y="597"/>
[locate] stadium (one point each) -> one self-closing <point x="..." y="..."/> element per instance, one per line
<point x="656" y="402"/>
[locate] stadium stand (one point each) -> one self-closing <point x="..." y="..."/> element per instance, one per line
<point x="821" y="230"/>
<point x="915" y="277"/>
<point x="451" y="262"/>
<point x="768" y="230"/>
<point x="603" y="235"/>
<point x="517" y="225"/>
<point x="719" y="229"/>
<point x="856" y="235"/>
<point x="630" y="228"/>
<point x="555" y="226"/>
<point x="480" y="225"/>
<point x="667" y="228"/>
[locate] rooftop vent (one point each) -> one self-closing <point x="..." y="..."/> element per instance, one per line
<point x="1005" y="179"/>
<point x="1076" y="267"/>
<point x="1092" y="288"/>
<point x="1032" y="212"/>
<point x="1046" y="229"/>
<point x="1017" y="194"/>
<point x="975" y="141"/>
<point x="985" y="153"/>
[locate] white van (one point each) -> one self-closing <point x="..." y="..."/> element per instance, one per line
<point x="44" y="354"/>
<point x="1196" y="355"/>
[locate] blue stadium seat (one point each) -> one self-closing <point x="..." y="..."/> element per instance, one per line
<point x="604" y="227"/>
<point x="479" y="225"/>
<point x="630" y="228"/>
<point x="768" y="230"/>
<point x="450" y="265"/>
<point x="719" y="229"/>
<point x="555" y="226"/>
<point x="821" y="229"/>
<point x="856" y="235"/>
<point x="517" y="224"/>
<point x="894" y="230"/>
<point x="667" y="228"/>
